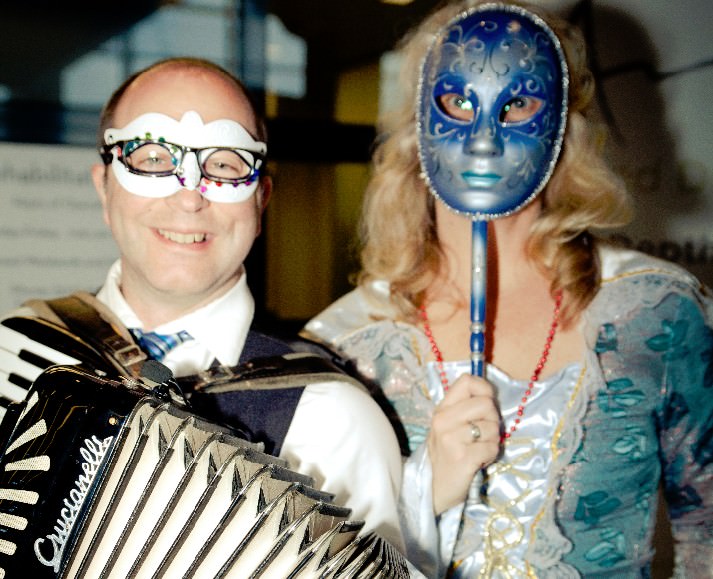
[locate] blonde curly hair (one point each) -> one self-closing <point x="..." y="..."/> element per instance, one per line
<point x="399" y="242"/>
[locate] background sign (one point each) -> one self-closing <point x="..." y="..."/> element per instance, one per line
<point x="52" y="237"/>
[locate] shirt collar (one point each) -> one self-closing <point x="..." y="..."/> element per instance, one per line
<point x="220" y="326"/>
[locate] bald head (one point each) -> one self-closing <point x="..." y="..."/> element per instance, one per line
<point x="176" y="85"/>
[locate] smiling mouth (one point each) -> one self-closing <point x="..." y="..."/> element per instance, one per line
<point x="185" y="238"/>
<point x="480" y="180"/>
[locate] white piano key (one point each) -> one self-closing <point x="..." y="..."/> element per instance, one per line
<point x="13" y="342"/>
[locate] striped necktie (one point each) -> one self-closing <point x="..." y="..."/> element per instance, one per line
<point x="158" y="345"/>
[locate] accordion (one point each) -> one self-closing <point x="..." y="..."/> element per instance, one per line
<point x="105" y="477"/>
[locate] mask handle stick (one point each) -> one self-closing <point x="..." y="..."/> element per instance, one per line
<point x="478" y="287"/>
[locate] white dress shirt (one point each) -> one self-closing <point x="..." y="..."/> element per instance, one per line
<point x="219" y="329"/>
<point x="338" y="435"/>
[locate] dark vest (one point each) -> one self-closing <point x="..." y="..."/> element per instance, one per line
<point x="259" y="415"/>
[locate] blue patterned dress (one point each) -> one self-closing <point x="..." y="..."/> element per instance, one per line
<point x="575" y="492"/>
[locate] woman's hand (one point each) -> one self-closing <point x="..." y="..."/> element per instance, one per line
<point x="464" y="438"/>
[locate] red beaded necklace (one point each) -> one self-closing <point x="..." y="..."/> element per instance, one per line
<point x="535" y="374"/>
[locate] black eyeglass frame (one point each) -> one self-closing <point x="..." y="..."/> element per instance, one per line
<point x="107" y="156"/>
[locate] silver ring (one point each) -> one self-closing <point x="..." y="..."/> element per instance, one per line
<point x="474" y="432"/>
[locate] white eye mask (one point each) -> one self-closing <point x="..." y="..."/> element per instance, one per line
<point x="190" y="131"/>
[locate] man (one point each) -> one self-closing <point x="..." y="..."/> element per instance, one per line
<point x="182" y="194"/>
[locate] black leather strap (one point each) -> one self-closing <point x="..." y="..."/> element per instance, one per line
<point x="84" y="319"/>
<point x="271" y="372"/>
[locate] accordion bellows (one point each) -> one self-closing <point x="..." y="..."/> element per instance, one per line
<point x="100" y="478"/>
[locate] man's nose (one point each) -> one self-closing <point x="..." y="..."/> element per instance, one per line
<point x="187" y="200"/>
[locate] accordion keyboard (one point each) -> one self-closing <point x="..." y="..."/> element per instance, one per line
<point x="23" y="358"/>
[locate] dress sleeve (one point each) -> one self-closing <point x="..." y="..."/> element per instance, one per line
<point x="685" y="420"/>
<point x="416" y="513"/>
<point x="429" y="539"/>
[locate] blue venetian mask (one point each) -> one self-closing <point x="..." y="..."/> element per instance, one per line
<point x="492" y="109"/>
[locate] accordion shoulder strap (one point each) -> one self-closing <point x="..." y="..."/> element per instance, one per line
<point x="269" y="373"/>
<point x="84" y="315"/>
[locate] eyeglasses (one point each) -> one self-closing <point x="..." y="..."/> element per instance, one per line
<point x="160" y="159"/>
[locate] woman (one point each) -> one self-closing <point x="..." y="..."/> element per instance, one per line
<point x="599" y="380"/>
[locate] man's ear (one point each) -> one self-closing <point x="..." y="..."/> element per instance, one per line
<point x="99" y="178"/>
<point x="265" y="192"/>
<point x="262" y="199"/>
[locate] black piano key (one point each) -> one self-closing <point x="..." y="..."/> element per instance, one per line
<point x="34" y="359"/>
<point x="18" y="380"/>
